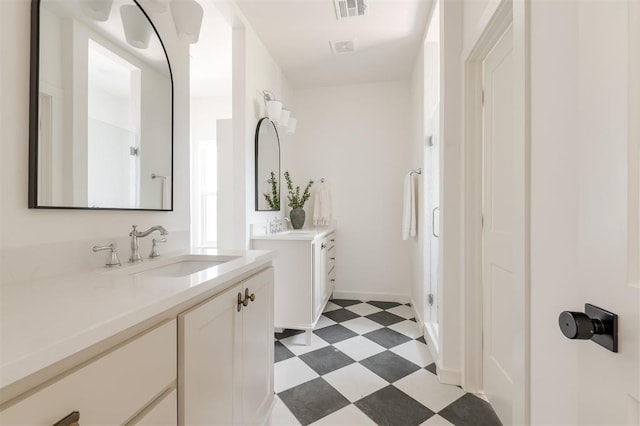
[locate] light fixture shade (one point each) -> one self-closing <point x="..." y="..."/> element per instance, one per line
<point x="284" y="117"/>
<point x="187" y="17"/>
<point x="291" y="128"/>
<point x="274" y="109"/>
<point x="98" y="10"/>
<point x="137" y="30"/>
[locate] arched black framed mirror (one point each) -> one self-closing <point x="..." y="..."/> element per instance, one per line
<point x="267" y="166"/>
<point x="101" y="108"/>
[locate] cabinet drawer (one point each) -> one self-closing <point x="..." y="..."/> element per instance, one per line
<point x="108" y="390"/>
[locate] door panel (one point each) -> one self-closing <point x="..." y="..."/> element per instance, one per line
<point x="497" y="231"/>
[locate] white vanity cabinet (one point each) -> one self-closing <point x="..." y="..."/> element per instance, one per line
<point x="129" y="382"/>
<point x="304" y="276"/>
<point x="226" y="356"/>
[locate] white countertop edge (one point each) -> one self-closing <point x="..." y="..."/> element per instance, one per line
<point x="310" y="234"/>
<point x="16" y="370"/>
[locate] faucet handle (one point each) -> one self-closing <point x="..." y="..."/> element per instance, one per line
<point x="154" y="247"/>
<point x="113" y="259"/>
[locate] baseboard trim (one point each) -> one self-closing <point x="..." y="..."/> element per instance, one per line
<point x="449" y="377"/>
<point x="365" y="296"/>
<point x="418" y="317"/>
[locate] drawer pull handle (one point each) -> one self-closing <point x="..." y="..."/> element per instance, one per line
<point x="333" y="240"/>
<point x="248" y="298"/>
<point x="333" y="280"/>
<point x="333" y="258"/>
<point x="240" y="302"/>
<point x="72" y="419"/>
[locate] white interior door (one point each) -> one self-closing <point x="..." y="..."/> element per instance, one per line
<point x="497" y="274"/>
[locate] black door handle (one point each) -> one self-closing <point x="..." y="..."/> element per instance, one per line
<point x="594" y="324"/>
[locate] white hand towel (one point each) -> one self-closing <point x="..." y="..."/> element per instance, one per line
<point x="409" y="208"/>
<point x="322" y="207"/>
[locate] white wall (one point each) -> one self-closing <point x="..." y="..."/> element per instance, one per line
<point x="22" y="227"/>
<point x="254" y="70"/>
<point x="359" y="139"/>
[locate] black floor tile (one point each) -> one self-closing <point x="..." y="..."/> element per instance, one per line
<point x="345" y="302"/>
<point x="383" y="305"/>
<point x="389" y="366"/>
<point x="335" y="333"/>
<point x="387" y="337"/>
<point x="313" y="400"/>
<point x="326" y="360"/>
<point x="280" y="352"/>
<point x="431" y="368"/>
<point x="421" y="340"/>
<point x="385" y="318"/>
<point x="287" y="332"/>
<point x="470" y="410"/>
<point x="412" y="319"/>
<point x="341" y="315"/>
<point x="390" y="406"/>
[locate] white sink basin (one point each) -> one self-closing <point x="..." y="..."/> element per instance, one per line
<point x="184" y="267"/>
<point x="297" y="232"/>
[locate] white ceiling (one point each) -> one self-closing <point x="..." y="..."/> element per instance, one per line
<point x="298" y="32"/>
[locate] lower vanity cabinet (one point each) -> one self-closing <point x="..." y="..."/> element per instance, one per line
<point x="225" y="354"/>
<point x="305" y="279"/>
<point x="134" y="380"/>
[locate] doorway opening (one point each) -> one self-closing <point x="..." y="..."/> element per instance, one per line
<point x="210" y="103"/>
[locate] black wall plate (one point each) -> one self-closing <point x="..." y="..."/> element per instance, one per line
<point x="609" y="340"/>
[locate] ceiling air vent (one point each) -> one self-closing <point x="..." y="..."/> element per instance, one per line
<point x="342" y="47"/>
<point x="350" y="8"/>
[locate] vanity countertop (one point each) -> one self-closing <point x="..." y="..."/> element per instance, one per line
<point x="309" y="234"/>
<point x="47" y="320"/>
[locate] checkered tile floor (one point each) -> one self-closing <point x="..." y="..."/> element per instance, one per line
<point x="367" y="365"/>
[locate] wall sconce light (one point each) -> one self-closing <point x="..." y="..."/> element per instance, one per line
<point x="274" y="107"/>
<point x="284" y="117"/>
<point x="291" y="128"/>
<point x="98" y="10"/>
<point x="187" y="17"/>
<point x="137" y="30"/>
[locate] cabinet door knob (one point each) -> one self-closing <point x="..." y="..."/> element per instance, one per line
<point x="248" y="298"/>
<point x="322" y="246"/>
<point x="240" y="302"/>
<point x="72" y="419"/>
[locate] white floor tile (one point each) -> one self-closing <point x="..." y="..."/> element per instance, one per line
<point x="425" y="388"/>
<point x="281" y="416"/>
<point x="408" y="328"/>
<point x="331" y="307"/>
<point x="362" y="325"/>
<point x="355" y="381"/>
<point x="324" y="322"/>
<point x="291" y="372"/>
<point x="359" y="347"/>
<point x="403" y="311"/>
<point x="297" y="343"/>
<point x="363" y="309"/>
<point x="437" y="421"/>
<point x="414" y="351"/>
<point x="347" y="416"/>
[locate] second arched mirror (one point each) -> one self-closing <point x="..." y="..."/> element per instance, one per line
<point x="267" y="166"/>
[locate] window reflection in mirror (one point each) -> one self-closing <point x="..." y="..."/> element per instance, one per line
<point x="101" y="114"/>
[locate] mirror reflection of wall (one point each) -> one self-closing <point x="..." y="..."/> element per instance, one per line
<point x="104" y="108"/>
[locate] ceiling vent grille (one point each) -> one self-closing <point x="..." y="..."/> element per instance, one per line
<point x="342" y="47"/>
<point x="350" y="8"/>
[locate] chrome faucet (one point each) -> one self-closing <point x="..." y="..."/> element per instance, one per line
<point x="134" y="234"/>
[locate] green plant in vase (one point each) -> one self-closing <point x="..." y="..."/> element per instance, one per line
<point x="296" y="201"/>
<point x="273" y="200"/>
